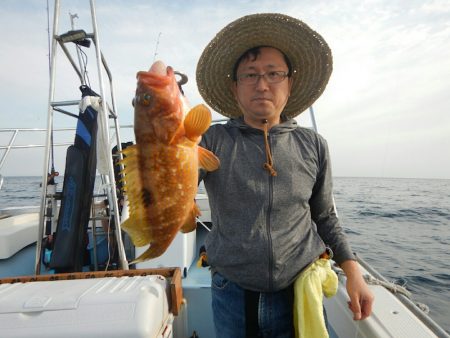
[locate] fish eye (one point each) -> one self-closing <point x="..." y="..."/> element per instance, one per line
<point x="143" y="99"/>
<point x="146" y="99"/>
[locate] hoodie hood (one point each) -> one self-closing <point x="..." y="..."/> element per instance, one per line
<point x="285" y="126"/>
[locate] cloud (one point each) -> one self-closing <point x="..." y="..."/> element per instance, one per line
<point x="388" y="91"/>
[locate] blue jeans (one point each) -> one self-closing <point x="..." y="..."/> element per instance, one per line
<point x="242" y="314"/>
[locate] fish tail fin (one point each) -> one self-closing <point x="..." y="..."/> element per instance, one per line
<point x="152" y="252"/>
<point x="196" y="122"/>
<point x="207" y="160"/>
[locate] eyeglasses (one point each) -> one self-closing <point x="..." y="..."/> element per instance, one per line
<point x="253" y="78"/>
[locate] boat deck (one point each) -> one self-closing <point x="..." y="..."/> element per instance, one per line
<point x="390" y="317"/>
<point x="197" y="292"/>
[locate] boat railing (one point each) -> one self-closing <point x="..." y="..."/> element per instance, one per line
<point x="9" y="139"/>
<point x="403" y="298"/>
<point x="10" y="136"/>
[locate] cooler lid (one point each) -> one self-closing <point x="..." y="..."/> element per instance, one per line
<point x="72" y="294"/>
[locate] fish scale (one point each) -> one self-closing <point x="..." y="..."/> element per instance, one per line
<point x="161" y="169"/>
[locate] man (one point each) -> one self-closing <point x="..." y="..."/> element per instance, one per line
<point x="271" y="200"/>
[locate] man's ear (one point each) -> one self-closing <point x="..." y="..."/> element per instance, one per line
<point x="291" y="81"/>
<point x="233" y="87"/>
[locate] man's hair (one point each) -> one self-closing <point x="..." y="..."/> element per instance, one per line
<point x="252" y="54"/>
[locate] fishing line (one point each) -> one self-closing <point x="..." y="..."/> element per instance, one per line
<point x="156" y="48"/>
<point x="204" y="225"/>
<point x="357" y="329"/>
<point x="52" y="151"/>
<point x="106" y="186"/>
<point x="108" y="241"/>
<point x="48" y="38"/>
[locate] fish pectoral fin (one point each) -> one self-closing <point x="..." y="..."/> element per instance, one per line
<point x="191" y="221"/>
<point x="196" y="122"/>
<point x="207" y="160"/>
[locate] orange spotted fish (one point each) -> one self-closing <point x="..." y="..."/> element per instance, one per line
<point x="161" y="169"/>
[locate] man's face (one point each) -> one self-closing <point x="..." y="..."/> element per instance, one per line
<point x="262" y="100"/>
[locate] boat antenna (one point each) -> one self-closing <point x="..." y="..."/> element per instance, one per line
<point x="156" y="48"/>
<point x="82" y="56"/>
<point x="72" y="21"/>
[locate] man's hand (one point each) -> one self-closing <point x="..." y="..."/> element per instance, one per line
<point x="361" y="298"/>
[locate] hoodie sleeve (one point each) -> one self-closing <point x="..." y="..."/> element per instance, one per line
<point x="205" y="142"/>
<point x="323" y="210"/>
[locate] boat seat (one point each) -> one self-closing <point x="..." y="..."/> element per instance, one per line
<point x="16" y="232"/>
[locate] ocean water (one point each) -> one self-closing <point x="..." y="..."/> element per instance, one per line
<point x="400" y="226"/>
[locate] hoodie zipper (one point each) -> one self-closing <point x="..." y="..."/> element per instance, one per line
<point x="269" y="226"/>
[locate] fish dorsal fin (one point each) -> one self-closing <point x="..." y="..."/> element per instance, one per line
<point x="191" y="221"/>
<point x="207" y="160"/>
<point x="196" y="122"/>
<point x="133" y="188"/>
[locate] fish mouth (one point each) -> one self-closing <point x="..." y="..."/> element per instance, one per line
<point x="158" y="76"/>
<point x="157" y="86"/>
<point x="158" y="68"/>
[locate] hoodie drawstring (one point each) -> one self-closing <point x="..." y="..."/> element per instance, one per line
<point x="269" y="160"/>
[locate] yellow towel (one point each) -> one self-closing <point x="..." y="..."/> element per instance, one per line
<point x="315" y="281"/>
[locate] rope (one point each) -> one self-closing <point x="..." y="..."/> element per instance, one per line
<point x="423" y="307"/>
<point x="394" y="288"/>
<point x="390" y="286"/>
<point x="269" y="160"/>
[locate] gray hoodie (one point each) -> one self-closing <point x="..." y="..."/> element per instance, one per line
<point x="266" y="229"/>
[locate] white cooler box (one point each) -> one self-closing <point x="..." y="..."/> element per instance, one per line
<point x="103" y="307"/>
<point x="181" y="253"/>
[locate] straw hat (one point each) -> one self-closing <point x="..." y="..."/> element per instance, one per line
<point x="307" y="51"/>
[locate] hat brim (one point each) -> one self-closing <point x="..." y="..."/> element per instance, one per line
<point x="307" y="51"/>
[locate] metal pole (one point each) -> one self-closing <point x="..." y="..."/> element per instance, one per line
<point x="8" y="148"/>
<point x="40" y="234"/>
<point x="105" y="126"/>
<point x="313" y="118"/>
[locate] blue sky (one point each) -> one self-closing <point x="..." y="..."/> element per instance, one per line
<point x="385" y="112"/>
